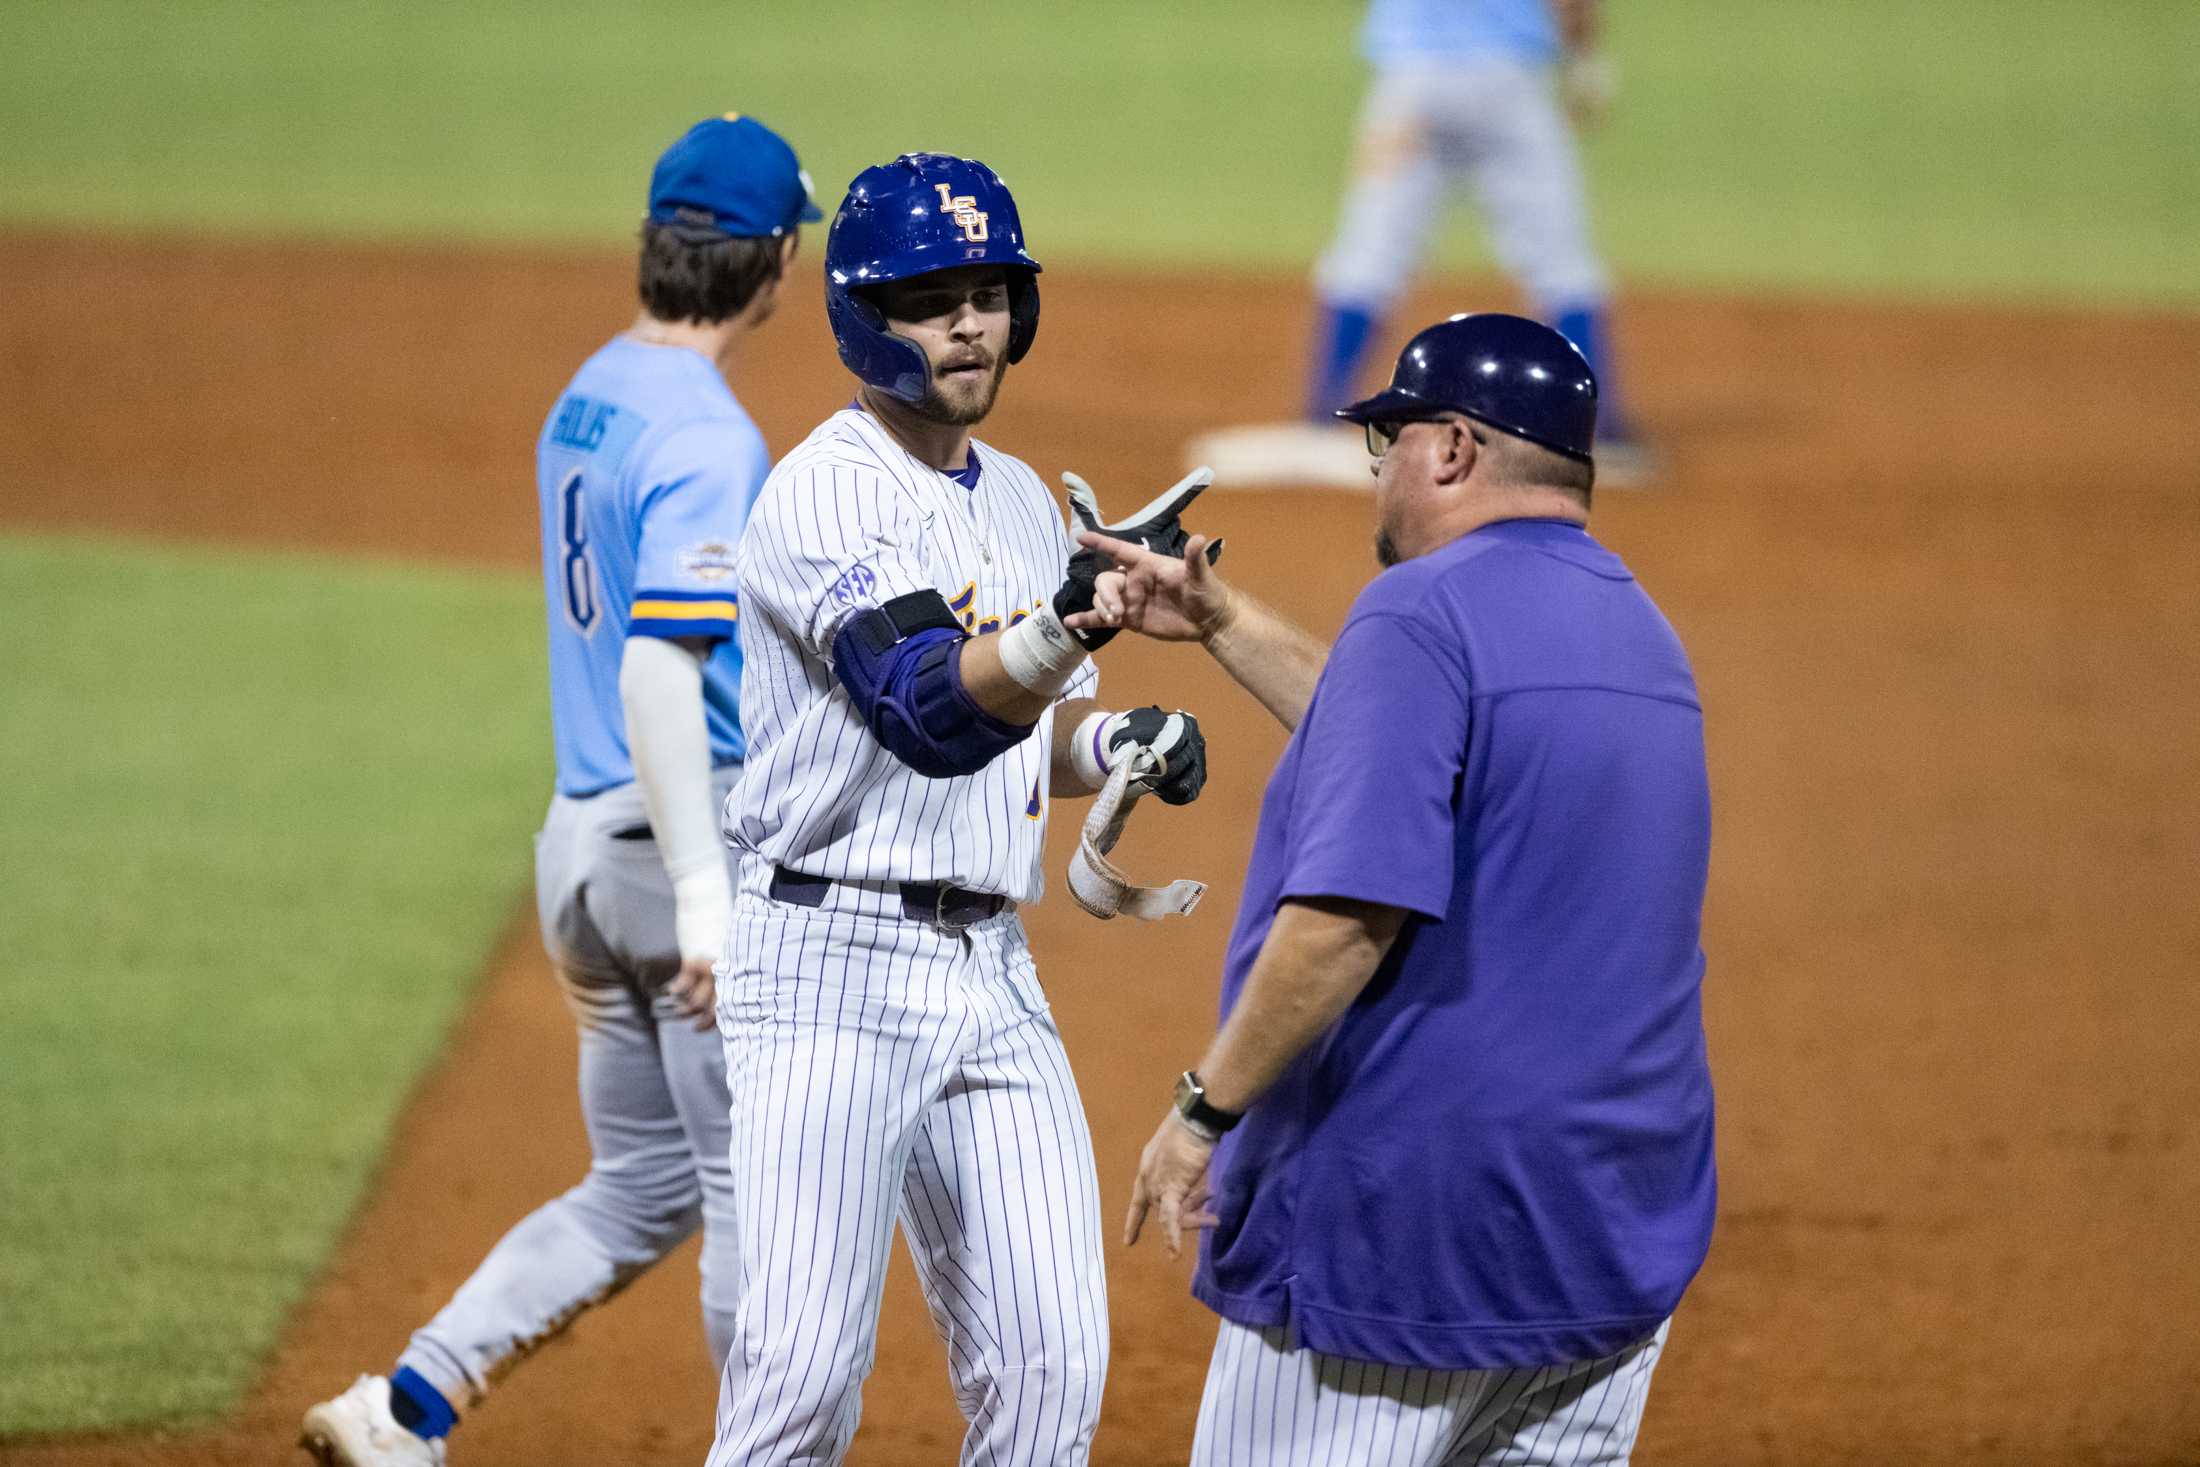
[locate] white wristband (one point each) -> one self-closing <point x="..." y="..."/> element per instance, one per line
<point x="702" y="906"/>
<point x="1040" y="654"/>
<point x="1088" y="749"/>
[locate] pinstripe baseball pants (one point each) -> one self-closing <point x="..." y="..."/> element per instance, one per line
<point x="1267" y="1405"/>
<point x="886" y="1070"/>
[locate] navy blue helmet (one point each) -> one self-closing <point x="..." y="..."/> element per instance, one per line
<point x="1511" y="373"/>
<point x="920" y="213"/>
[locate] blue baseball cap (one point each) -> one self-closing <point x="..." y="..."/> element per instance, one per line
<point x="734" y="175"/>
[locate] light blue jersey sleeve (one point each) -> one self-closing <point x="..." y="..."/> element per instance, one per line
<point x="1404" y="31"/>
<point x="692" y="495"/>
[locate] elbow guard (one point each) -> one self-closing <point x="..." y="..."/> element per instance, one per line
<point x="899" y="663"/>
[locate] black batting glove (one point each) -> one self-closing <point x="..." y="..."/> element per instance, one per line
<point x="1172" y="738"/>
<point x="1075" y="595"/>
<point x="1156" y="526"/>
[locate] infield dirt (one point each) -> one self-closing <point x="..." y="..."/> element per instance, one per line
<point x="1939" y="570"/>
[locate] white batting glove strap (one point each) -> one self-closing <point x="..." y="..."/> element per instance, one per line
<point x="1172" y="501"/>
<point x="1095" y="882"/>
<point x="1163" y="748"/>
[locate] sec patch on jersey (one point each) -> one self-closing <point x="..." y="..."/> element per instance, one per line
<point x="707" y="560"/>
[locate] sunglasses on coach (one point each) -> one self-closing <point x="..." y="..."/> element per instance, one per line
<point x="1383" y="432"/>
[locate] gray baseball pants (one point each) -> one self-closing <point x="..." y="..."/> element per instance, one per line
<point x="653" y="1098"/>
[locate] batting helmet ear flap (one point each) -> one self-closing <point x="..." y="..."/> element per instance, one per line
<point x="892" y="364"/>
<point x="1023" y="313"/>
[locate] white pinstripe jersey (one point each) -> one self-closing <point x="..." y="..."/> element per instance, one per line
<point x="850" y="519"/>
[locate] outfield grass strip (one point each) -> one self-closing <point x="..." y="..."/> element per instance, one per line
<point x="265" y="816"/>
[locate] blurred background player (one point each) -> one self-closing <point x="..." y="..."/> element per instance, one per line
<point x="1463" y="97"/>
<point x="646" y="469"/>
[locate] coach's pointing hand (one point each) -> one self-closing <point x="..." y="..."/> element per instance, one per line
<point x="1154" y="527"/>
<point x="1171" y="598"/>
<point x="1172" y="1180"/>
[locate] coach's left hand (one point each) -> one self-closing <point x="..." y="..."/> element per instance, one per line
<point x="1172" y="1180"/>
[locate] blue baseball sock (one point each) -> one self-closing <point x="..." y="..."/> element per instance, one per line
<point x="1584" y="327"/>
<point x="420" y="1407"/>
<point x="1339" y="343"/>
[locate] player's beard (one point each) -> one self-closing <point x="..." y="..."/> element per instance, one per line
<point x="962" y="400"/>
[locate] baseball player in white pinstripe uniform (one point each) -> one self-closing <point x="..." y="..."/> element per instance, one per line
<point x="913" y="700"/>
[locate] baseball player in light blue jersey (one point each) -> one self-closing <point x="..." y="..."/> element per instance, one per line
<point x="646" y="470"/>
<point x="915" y="702"/>
<point x="1462" y="97"/>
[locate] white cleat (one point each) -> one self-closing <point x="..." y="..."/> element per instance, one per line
<point x="357" y="1430"/>
<point x="1286" y="455"/>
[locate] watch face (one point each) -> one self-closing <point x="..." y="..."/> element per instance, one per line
<point x="1187" y="1093"/>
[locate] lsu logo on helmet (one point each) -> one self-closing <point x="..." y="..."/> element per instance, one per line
<point x="968" y="217"/>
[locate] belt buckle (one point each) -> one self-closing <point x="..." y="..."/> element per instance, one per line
<point x="942" y="895"/>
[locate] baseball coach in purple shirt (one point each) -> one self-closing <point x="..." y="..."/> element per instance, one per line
<point x="1454" y="1138"/>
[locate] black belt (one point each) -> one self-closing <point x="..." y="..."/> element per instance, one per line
<point x="951" y="907"/>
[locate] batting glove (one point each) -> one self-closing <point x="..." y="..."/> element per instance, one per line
<point x="1156" y="526"/>
<point x="1175" y="742"/>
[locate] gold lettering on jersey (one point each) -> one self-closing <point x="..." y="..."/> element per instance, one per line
<point x="965" y="606"/>
<point x="964" y="207"/>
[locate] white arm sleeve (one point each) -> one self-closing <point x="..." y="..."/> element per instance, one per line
<point x="661" y="687"/>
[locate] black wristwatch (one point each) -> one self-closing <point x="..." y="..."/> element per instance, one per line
<point x="1192" y="1108"/>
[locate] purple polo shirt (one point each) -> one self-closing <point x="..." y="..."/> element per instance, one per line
<point x="1501" y="1155"/>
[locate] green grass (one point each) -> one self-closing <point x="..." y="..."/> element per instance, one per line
<point x="264" y="818"/>
<point x="1982" y="145"/>
<point x="1990" y="147"/>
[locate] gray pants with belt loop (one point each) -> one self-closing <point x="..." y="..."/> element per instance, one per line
<point x="653" y="1098"/>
